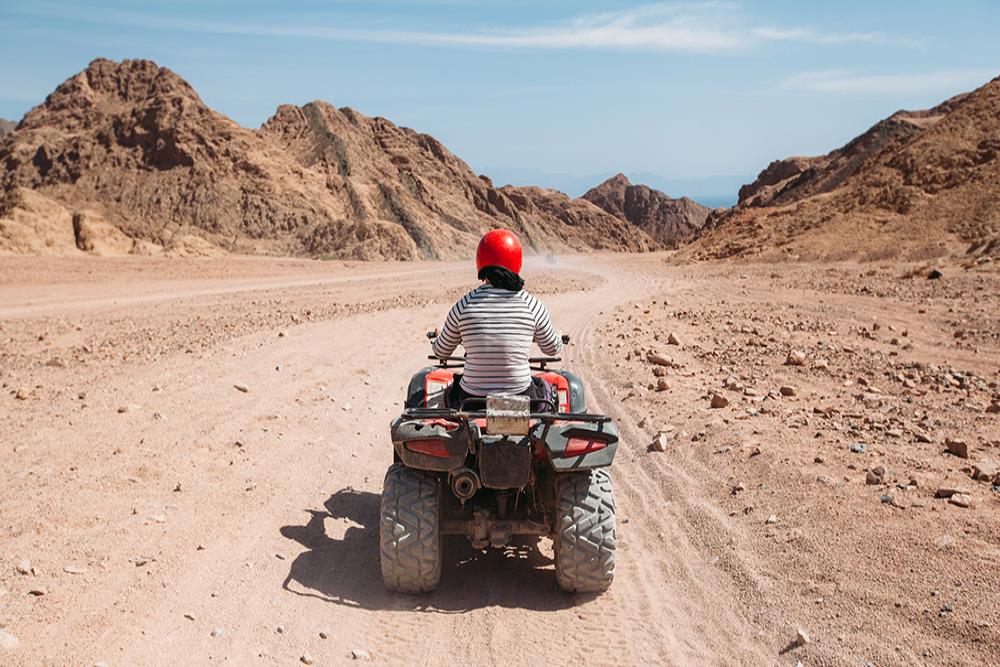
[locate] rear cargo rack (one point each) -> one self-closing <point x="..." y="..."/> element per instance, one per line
<point x="464" y="415"/>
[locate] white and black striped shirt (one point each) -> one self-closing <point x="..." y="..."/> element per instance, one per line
<point x="497" y="327"/>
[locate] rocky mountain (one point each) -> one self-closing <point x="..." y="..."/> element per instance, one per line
<point x="669" y="221"/>
<point x="125" y="157"/>
<point x="6" y="126"/>
<point x="917" y="184"/>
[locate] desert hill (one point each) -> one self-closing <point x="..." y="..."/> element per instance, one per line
<point x="917" y="184"/>
<point x="126" y="157"/>
<point x="669" y="221"/>
<point x="6" y="126"/>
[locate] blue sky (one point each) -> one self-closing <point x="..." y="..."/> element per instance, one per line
<point x="695" y="97"/>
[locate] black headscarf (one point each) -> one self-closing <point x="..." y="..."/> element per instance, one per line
<point x="502" y="278"/>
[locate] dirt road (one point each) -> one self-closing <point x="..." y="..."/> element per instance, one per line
<point x="193" y="455"/>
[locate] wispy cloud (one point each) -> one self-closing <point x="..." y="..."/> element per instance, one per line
<point x="692" y="27"/>
<point x="843" y="81"/>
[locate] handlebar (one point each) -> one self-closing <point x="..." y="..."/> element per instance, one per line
<point x="464" y="415"/>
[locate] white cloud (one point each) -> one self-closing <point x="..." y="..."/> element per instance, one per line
<point x="693" y="27"/>
<point x="843" y="81"/>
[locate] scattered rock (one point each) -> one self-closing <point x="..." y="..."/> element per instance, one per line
<point x="961" y="500"/>
<point x="959" y="448"/>
<point x="306" y="659"/>
<point x="771" y="520"/>
<point x="872" y="479"/>
<point x="661" y="441"/>
<point x="8" y="641"/>
<point x="719" y="401"/>
<point x="993" y="408"/>
<point x="360" y="654"/>
<point x="787" y="391"/>
<point x="673" y="340"/>
<point x="241" y="387"/>
<point x="324" y="634"/>
<point x="38" y="591"/>
<point x="801" y="637"/>
<point x="949" y="491"/>
<point x="738" y="488"/>
<point x="659" y="359"/>
<point x="934" y="274"/>
<point x="859" y="448"/>
<point x="23" y="566"/>
<point x="74" y="569"/>
<point x="216" y="632"/>
<point x="985" y="470"/>
<point x="22" y="394"/>
<point x="796" y="358"/>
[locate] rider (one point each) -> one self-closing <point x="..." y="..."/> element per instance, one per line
<point x="496" y="323"/>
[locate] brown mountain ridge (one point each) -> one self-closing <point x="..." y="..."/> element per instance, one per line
<point x="125" y="157"/>
<point x="669" y="221"/>
<point x="916" y="185"/>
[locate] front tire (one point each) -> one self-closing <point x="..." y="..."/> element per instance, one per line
<point x="409" y="530"/>
<point x="585" y="531"/>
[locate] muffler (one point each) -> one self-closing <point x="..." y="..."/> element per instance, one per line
<point x="464" y="483"/>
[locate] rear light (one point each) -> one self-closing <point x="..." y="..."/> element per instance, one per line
<point x="564" y="400"/>
<point x="581" y="446"/>
<point x="430" y="447"/>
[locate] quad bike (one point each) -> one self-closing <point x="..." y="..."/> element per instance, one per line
<point x="495" y="468"/>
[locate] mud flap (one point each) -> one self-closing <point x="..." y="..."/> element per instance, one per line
<point x="504" y="463"/>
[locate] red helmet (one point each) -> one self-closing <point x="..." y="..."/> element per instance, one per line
<point x="499" y="247"/>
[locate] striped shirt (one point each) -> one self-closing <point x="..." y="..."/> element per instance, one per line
<point x="497" y="327"/>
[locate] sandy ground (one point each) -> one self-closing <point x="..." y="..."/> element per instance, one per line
<point x="153" y="513"/>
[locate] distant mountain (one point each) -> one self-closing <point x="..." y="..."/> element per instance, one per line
<point x="125" y="157"/>
<point x="917" y="184"/>
<point x="6" y="126"/>
<point x="669" y="221"/>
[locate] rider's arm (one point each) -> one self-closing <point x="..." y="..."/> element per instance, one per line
<point x="548" y="340"/>
<point x="450" y="337"/>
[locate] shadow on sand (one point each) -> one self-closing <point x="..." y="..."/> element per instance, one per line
<point x="346" y="571"/>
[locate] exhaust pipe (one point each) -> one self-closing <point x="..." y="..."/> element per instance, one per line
<point x="464" y="483"/>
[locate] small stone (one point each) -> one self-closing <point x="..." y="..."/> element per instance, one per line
<point x="801" y="637"/>
<point x="140" y="561"/>
<point x="660" y="442"/>
<point x="74" y="569"/>
<point x="934" y="274"/>
<point x="38" y="591"/>
<point x="360" y="654"/>
<point x="23" y="566"/>
<point x="961" y="500"/>
<point x="738" y="488"/>
<point x="177" y="488"/>
<point x="771" y="520"/>
<point x="888" y="499"/>
<point x="659" y="359"/>
<point x="824" y="479"/>
<point x="985" y="470"/>
<point x="8" y="641"/>
<point x="859" y="448"/>
<point x="279" y="556"/>
<point x="306" y="659"/>
<point x="216" y="632"/>
<point x="796" y="358"/>
<point x="959" y="448"/>
<point x="993" y="408"/>
<point x="673" y="340"/>
<point x="281" y="334"/>
<point x="787" y="390"/>
<point x="872" y="479"/>
<point x="189" y="616"/>
<point x="949" y="491"/>
<point x="122" y="409"/>
<point x="661" y="385"/>
<point x="241" y="387"/>
<point x="324" y="634"/>
<point x="944" y="542"/>
<point x="22" y="394"/>
<point x="719" y="401"/>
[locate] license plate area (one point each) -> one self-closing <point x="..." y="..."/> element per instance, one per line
<point x="508" y="415"/>
<point x="504" y="463"/>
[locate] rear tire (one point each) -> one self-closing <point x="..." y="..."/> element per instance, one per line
<point x="585" y="531"/>
<point x="409" y="530"/>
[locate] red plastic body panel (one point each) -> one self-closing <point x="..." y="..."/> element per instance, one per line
<point x="435" y="382"/>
